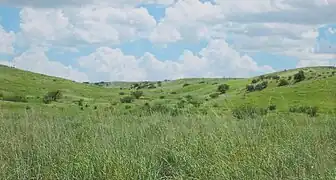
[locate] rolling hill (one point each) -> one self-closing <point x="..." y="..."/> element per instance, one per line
<point x="316" y="89"/>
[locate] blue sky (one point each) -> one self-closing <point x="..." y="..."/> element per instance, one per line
<point x="183" y="39"/>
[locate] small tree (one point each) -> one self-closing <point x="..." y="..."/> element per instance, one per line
<point x="283" y="82"/>
<point x="250" y="88"/>
<point x="52" y="96"/>
<point x="223" y="88"/>
<point x="137" y="94"/>
<point x="261" y="86"/>
<point x="299" y="76"/>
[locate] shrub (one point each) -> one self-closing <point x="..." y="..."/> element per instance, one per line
<point x="162" y="97"/>
<point x="159" y="83"/>
<point x="121" y="93"/>
<point x="248" y="111"/>
<point x="52" y="96"/>
<point x="261" y="86"/>
<point x="186" y="84"/>
<point x="81" y="102"/>
<point x="173" y="92"/>
<point x="254" y="81"/>
<point x="289" y="78"/>
<point x="333" y="73"/>
<point x="310" y="110"/>
<point x="151" y="86"/>
<point x="283" y="82"/>
<point x="95" y="107"/>
<point x="128" y="107"/>
<point x="214" y="95"/>
<point x="250" y="88"/>
<point x="223" y="88"/>
<point x="126" y="99"/>
<point x="137" y="94"/>
<point x="272" y="107"/>
<point x="1" y="95"/>
<point x="300" y="76"/>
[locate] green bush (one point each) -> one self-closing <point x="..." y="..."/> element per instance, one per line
<point x="223" y="88"/>
<point x="173" y="92"/>
<point x="137" y="94"/>
<point x="52" y="96"/>
<point x="121" y="93"/>
<point x="283" y="82"/>
<point x="214" y="95"/>
<point x="310" y="110"/>
<point x="250" y="88"/>
<point x="289" y="78"/>
<point x="300" y="76"/>
<point x="248" y="111"/>
<point x="272" y="107"/>
<point x="261" y="86"/>
<point x="127" y="99"/>
<point x="162" y="97"/>
<point x="255" y="81"/>
<point x="186" y="84"/>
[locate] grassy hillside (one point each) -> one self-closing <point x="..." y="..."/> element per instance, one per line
<point x="52" y="128"/>
<point x="316" y="89"/>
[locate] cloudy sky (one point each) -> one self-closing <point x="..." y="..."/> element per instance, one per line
<point x="104" y="40"/>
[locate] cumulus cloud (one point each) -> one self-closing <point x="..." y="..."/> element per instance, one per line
<point x="6" y="41"/>
<point x="89" y="25"/>
<point x="218" y="59"/>
<point x="76" y="3"/>
<point x="276" y="26"/>
<point x="36" y="60"/>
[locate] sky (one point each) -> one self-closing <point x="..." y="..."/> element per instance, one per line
<point x="137" y="40"/>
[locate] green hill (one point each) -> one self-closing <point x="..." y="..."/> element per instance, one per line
<point x="316" y="89"/>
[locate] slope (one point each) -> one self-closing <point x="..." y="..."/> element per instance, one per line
<point x="316" y="89"/>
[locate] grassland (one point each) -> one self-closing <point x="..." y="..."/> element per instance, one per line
<point x="173" y="131"/>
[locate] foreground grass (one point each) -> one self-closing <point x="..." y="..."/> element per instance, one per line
<point x="109" y="146"/>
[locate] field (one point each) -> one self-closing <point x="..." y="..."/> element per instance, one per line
<point x="52" y="128"/>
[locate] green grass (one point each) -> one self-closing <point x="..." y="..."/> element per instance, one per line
<point x="34" y="145"/>
<point x="169" y="138"/>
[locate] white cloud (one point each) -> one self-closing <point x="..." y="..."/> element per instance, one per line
<point x="35" y="60"/>
<point x="76" y="3"/>
<point x="286" y="27"/>
<point x="215" y="60"/>
<point x="88" y="25"/>
<point x="310" y="63"/>
<point x="6" y="41"/>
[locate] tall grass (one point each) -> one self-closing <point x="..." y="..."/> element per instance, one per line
<point x="112" y="146"/>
